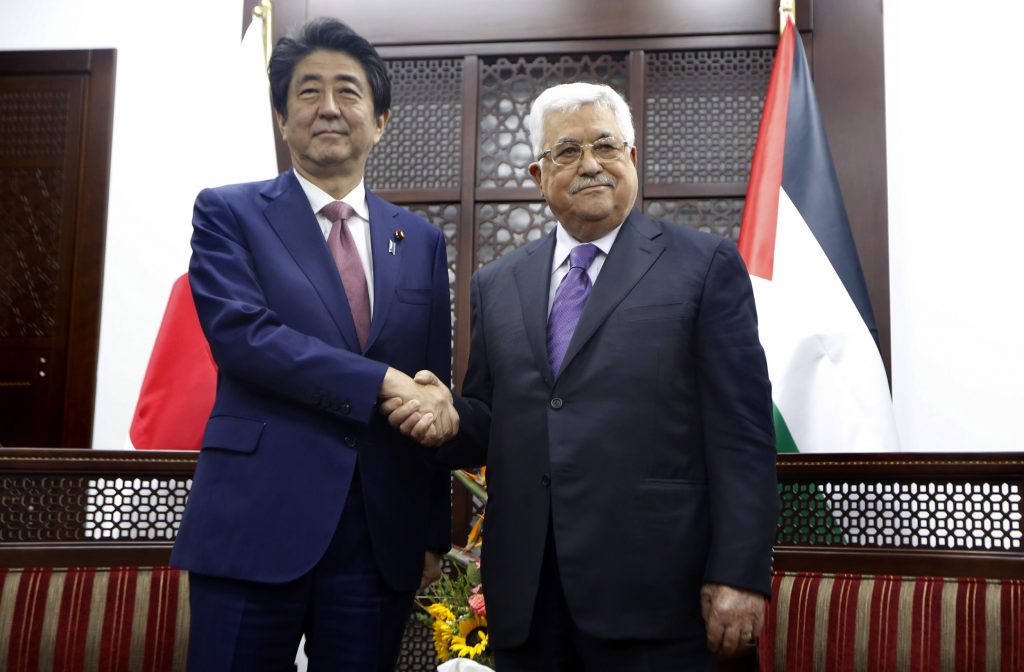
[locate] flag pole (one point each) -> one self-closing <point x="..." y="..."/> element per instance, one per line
<point x="264" y="11"/>
<point x="786" y="8"/>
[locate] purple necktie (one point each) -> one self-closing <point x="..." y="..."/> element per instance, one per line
<point x="350" y="268"/>
<point x="570" y="297"/>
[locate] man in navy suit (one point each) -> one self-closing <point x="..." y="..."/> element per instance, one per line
<point x="308" y="513"/>
<point x="630" y="451"/>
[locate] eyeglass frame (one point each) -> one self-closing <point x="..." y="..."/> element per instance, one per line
<point x="583" y="146"/>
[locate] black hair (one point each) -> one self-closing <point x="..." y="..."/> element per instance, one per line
<point x="329" y="35"/>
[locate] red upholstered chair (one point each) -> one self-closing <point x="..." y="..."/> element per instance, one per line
<point x="118" y="619"/>
<point x="838" y="622"/>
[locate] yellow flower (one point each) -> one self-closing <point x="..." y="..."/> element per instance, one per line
<point x="440" y="612"/>
<point x="442" y="640"/>
<point x="443" y="622"/>
<point x="472" y="638"/>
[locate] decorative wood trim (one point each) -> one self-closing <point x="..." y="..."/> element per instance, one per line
<point x="702" y="190"/>
<point x="458" y="21"/>
<point x="508" y="194"/>
<point x="80" y="554"/>
<point x="637" y="87"/>
<point x="490" y="49"/>
<point x="403" y="196"/>
<point x="796" y="466"/>
<point x="928" y="562"/>
<point x="462" y="502"/>
<point x="90" y="247"/>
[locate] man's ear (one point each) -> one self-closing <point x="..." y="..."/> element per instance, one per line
<point x="280" y="119"/>
<point x="381" y="121"/>
<point x="534" y="169"/>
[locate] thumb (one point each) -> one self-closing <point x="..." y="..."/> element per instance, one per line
<point x="425" y="377"/>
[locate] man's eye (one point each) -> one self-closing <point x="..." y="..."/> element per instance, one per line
<point x="568" y="152"/>
<point x="306" y="93"/>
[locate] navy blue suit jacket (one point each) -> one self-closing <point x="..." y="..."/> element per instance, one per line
<point x="652" y="453"/>
<point x="295" y="413"/>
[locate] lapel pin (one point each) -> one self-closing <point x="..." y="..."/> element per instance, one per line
<point x="399" y="235"/>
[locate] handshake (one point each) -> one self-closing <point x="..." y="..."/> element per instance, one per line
<point x="420" y="407"/>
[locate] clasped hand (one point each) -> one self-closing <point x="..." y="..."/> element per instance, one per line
<point x="420" y="407"/>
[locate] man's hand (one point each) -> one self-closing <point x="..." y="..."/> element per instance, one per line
<point x="419" y="407"/>
<point x="733" y="618"/>
<point x="431" y="569"/>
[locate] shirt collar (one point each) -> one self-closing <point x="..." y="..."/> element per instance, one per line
<point x="318" y="198"/>
<point x="564" y="242"/>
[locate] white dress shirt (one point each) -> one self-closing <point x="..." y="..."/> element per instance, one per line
<point x="564" y="242"/>
<point x="358" y="224"/>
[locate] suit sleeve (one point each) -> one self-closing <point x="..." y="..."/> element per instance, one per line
<point x="439" y="351"/>
<point x="250" y="342"/>
<point x="739" y="436"/>
<point x="468" y="450"/>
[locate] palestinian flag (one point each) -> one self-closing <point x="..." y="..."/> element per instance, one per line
<point x="828" y="383"/>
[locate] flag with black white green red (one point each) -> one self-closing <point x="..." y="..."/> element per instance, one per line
<point x="829" y="385"/>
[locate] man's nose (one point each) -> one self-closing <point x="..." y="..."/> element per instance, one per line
<point x="589" y="165"/>
<point x="329" y="107"/>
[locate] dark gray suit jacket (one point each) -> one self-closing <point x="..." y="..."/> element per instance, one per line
<point x="653" y="452"/>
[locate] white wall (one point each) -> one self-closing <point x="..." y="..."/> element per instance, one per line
<point x="955" y="133"/>
<point x="955" y="226"/>
<point x="171" y="112"/>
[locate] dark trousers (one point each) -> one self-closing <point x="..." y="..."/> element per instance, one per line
<point x="556" y="644"/>
<point x="353" y="621"/>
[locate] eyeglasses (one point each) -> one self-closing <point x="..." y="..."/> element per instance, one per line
<point x="570" y="153"/>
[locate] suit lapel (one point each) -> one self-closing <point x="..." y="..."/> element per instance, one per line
<point x="383" y="224"/>
<point x="533" y="276"/>
<point x="633" y="253"/>
<point x="290" y="216"/>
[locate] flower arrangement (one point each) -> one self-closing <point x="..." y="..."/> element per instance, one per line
<point x="454" y="606"/>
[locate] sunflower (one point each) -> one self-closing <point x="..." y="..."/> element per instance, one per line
<point x="442" y="640"/>
<point x="472" y="638"/>
<point x="440" y="612"/>
<point x="442" y="627"/>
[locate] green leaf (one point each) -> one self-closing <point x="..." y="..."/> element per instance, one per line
<point x="473" y="574"/>
<point x="471" y="485"/>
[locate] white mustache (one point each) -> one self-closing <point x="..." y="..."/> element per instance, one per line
<point x="600" y="181"/>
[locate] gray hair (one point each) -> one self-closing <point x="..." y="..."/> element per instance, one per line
<point x="569" y="98"/>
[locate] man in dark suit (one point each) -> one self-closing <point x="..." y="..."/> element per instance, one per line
<point x="309" y="514"/>
<point x="619" y="394"/>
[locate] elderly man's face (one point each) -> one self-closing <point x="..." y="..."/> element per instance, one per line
<point x="589" y="198"/>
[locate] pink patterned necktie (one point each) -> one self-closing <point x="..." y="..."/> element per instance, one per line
<point x="350" y="268"/>
<point x="570" y="297"/>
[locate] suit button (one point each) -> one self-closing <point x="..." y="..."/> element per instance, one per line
<point x="345" y="409"/>
<point x="545" y="480"/>
<point x="556" y="403"/>
<point x="350" y="441"/>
